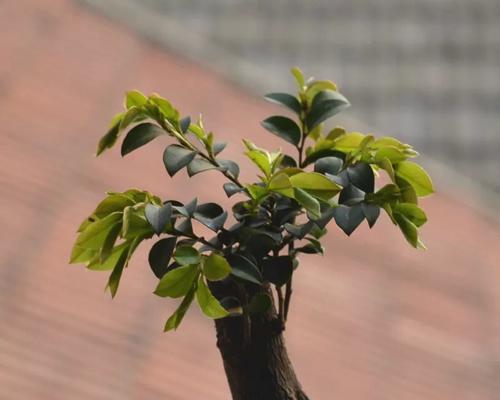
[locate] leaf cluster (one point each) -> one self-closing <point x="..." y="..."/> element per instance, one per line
<point x="328" y="175"/>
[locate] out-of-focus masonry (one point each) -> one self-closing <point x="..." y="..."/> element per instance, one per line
<point x="425" y="71"/>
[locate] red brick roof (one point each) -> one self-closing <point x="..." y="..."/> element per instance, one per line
<point x="373" y="319"/>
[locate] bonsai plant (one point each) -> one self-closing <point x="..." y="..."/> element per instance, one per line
<point x="243" y="276"/>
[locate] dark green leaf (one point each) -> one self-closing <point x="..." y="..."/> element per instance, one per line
<point x="211" y="215"/>
<point x="160" y="255"/>
<point x="409" y="229"/>
<point x="286" y="100"/>
<point x="218" y="147"/>
<point x="244" y="269"/>
<point x="351" y="195"/>
<point x="348" y="218"/>
<point x="277" y="270"/>
<point x="184" y="124"/>
<point x="185" y="227"/>
<point x="325" y="105"/>
<point x="177" y="282"/>
<point x="361" y="176"/>
<point x="199" y="165"/>
<point x="316" y="155"/>
<point x="231" y="188"/>
<point x="283" y="127"/>
<point x="158" y="217"/>
<point x="371" y="212"/>
<point x="230" y="166"/>
<point x="330" y="165"/>
<point x="288" y="162"/>
<point x="176" y="157"/>
<point x="139" y="136"/>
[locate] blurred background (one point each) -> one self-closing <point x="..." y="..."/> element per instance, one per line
<point x="371" y="320"/>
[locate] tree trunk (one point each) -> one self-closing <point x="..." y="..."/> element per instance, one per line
<point x="255" y="359"/>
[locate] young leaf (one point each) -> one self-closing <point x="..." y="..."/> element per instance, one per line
<point x="416" y="176"/>
<point x="114" y="278"/>
<point x="316" y="184"/>
<point x="216" y="267"/>
<point x="176" y="318"/>
<point x="109" y="242"/>
<point x="94" y="235"/>
<point x="177" y="282"/>
<point x="208" y="303"/>
<point x="283" y="127"/>
<point x="139" y="136"/>
<point x="160" y="255"/>
<point x="286" y="100"/>
<point x="299" y="77"/>
<point x="412" y="212"/>
<point x="109" y="139"/>
<point x="409" y="229"/>
<point x="176" y="157"/>
<point x="307" y="201"/>
<point x="134" y="98"/>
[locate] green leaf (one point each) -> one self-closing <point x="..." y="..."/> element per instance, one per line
<point x="160" y="255"/>
<point x="176" y="157"/>
<point x="109" y="139"/>
<point x="393" y="154"/>
<point x="158" y="217"/>
<point x="208" y="303"/>
<point x="198" y="165"/>
<point x="139" y="136"/>
<point x="316" y="184"/>
<point x="409" y="229"/>
<point x="134" y="223"/>
<point x="260" y="159"/>
<point x="349" y="142"/>
<point x="166" y="109"/>
<point x="408" y="193"/>
<point x="177" y="282"/>
<point x="326" y="104"/>
<point x="187" y="255"/>
<point x="94" y="235"/>
<point x="299" y="77"/>
<point x="286" y="100"/>
<point x="348" y="218"/>
<point x="216" y="267"/>
<point x="351" y="195"/>
<point x="114" y="278"/>
<point x="386" y="165"/>
<point x="112" y="260"/>
<point x="134" y="98"/>
<point x="243" y="268"/>
<point x="416" y="176"/>
<point x="307" y="201"/>
<point x="412" y="212"/>
<point x="109" y="242"/>
<point x="280" y="183"/>
<point x="176" y="318"/>
<point x="112" y="203"/>
<point x="131" y="116"/>
<point x="283" y="127"/>
<point x="277" y="270"/>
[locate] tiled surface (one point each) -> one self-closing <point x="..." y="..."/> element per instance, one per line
<point x="371" y="320"/>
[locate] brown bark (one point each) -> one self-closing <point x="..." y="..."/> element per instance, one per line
<point x="255" y="359"/>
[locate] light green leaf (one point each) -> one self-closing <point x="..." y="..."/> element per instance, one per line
<point x="177" y="282"/>
<point x="216" y="267"/>
<point x="316" y="184"/>
<point x="416" y="176"/>
<point x="208" y="303"/>
<point x="94" y="235"/>
<point x="299" y="77"/>
<point x="409" y="229"/>
<point x="412" y="212"/>
<point x="280" y="183"/>
<point x="176" y="318"/>
<point x="349" y="142"/>
<point x="134" y="98"/>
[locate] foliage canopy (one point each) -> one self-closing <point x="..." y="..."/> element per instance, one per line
<point x="282" y="214"/>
